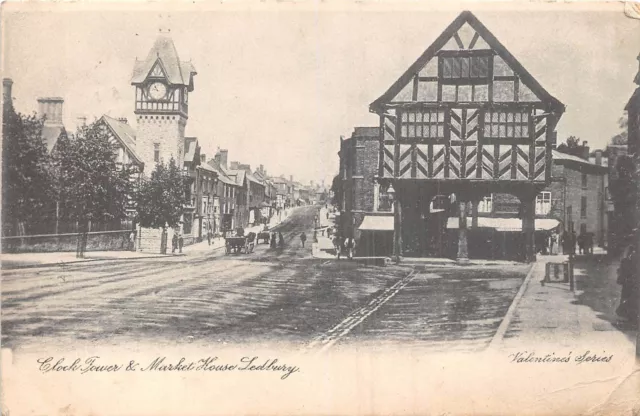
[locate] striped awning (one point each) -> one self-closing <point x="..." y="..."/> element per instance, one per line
<point x="505" y="224"/>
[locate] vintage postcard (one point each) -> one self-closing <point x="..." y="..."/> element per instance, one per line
<point x="320" y="208"/>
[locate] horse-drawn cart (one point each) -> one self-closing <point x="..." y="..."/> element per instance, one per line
<point x="264" y="236"/>
<point x="244" y="244"/>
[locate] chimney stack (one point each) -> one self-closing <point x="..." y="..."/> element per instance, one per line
<point x="222" y="156"/>
<point x="203" y="158"/>
<point x="234" y="165"/>
<point x="599" y="157"/>
<point x="81" y="121"/>
<point x="585" y="150"/>
<point x="7" y="98"/>
<point x="51" y="109"/>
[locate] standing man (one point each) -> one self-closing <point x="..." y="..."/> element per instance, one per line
<point x="280" y="240"/>
<point x="180" y="242"/>
<point x="209" y="235"/>
<point x="174" y="242"/>
<point x="303" y="238"/>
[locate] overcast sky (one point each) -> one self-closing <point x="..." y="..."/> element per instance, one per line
<point x="280" y="87"/>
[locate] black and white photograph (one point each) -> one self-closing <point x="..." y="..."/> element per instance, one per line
<point x="320" y="208"/>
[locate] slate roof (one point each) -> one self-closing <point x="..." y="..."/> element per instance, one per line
<point x="124" y="133"/>
<point x="564" y="157"/>
<point x="373" y="132"/>
<point x="222" y="174"/>
<point x="190" y="148"/>
<point x="50" y="135"/>
<point x="177" y="72"/>
<point x="494" y="43"/>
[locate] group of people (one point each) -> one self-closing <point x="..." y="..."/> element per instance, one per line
<point x="569" y="240"/>
<point x="277" y="240"/>
<point x="630" y="287"/>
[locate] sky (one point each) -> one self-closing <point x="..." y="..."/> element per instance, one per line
<point x="278" y="85"/>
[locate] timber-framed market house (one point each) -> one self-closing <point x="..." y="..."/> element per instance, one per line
<point x="464" y="121"/>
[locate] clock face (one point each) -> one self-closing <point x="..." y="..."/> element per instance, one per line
<point x="157" y="90"/>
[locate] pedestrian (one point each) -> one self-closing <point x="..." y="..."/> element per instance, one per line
<point x="581" y="243"/>
<point x="180" y="242"/>
<point x="337" y="245"/>
<point x="628" y="279"/>
<point x="280" y="240"/>
<point x="174" y="242"/>
<point x="303" y="238"/>
<point x="209" y="236"/>
<point x="350" y="245"/>
<point x="273" y="240"/>
<point x="572" y="247"/>
<point x="552" y="241"/>
<point x="329" y="232"/>
<point x="315" y="236"/>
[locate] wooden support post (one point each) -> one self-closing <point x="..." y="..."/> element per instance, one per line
<point x="474" y="213"/>
<point x="528" y="226"/>
<point x="463" y="253"/>
<point x="397" y="230"/>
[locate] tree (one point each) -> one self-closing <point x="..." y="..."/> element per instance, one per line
<point x="92" y="185"/>
<point x="573" y="142"/>
<point x="161" y="198"/>
<point x="26" y="170"/>
<point x="621" y="138"/>
<point x="571" y="146"/>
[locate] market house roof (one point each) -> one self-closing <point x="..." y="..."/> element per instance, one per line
<point x="450" y="34"/>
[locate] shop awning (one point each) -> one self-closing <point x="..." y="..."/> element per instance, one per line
<point x="505" y="224"/>
<point x="376" y="223"/>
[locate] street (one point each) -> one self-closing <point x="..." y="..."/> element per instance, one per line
<point x="266" y="297"/>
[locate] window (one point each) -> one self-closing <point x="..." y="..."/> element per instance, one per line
<point x="584" y="181"/>
<point x="156" y="152"/>
<point x="465" y="68"/>
<point x="506" y="124"/>
<point x="543" y="203"/>
<point x="583" y="207"/>
<point x="486" y="204"/>
<point x="423" y="124"/>
<point x="382" y="201"/>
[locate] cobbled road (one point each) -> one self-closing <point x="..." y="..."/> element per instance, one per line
<point x="266" y="297"/>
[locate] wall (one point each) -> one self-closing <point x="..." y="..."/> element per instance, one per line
<point x="166" y="130"/>
<point x="96" y="241"/>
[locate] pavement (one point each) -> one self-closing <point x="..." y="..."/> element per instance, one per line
<point x="28" y="260"/>
<point x="553" y="314"/>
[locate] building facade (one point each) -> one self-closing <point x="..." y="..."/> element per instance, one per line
<point x="366" y="213"/>
<point x="465" y="119"/>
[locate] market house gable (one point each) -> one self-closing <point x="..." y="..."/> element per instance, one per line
<point x="467" y="109"/>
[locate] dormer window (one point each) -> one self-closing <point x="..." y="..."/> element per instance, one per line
<point x="465" y="69"/>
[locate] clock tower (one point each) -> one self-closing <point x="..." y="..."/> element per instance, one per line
<point x="162" y="84"/>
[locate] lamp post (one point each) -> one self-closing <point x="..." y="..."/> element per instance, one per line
<point x="397" y="224"/>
